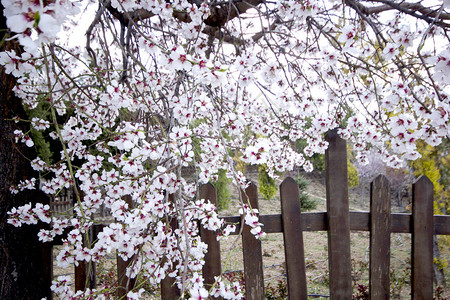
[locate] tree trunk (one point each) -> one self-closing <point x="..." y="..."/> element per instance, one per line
<point x="25" y="263"/>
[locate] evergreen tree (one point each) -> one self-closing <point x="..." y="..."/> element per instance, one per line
<point x="267" y="186"/>
<point x="306" y="202"/>
<point x="223" y="193"/>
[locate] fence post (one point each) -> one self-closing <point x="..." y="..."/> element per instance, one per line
<point x="422" y="239"/>
<point x="212" y="266"/>
<point x="293" y="239"/>
<point x="252" y="252"/>
<point x="125" y="284"/>
<point x="80" y="269"/>
<point x="338" y="217"/>
<point x="47" y="263"/>
<point x="169" y="290"/>
<point x="380" y="238"/>
<point x="85" y="271"/>
<point x="85" y="276"/>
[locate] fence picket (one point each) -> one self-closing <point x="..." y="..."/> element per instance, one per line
<point x="380" y="238"/>
<point x="80" y="276"/>
<point x="169" y="290"/>
<point x="338" y="217"/>
<point x="125" y="284"/>
<point x="212" y="266"/>
<point x="46" y="275"/>
<point x="422" y="239"/>
<point x="293" y="240"/>
<point x="252" y="252"/>
<point x="85" y="273"/>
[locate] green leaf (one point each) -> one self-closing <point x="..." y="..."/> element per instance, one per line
<point x="37" y="18"/>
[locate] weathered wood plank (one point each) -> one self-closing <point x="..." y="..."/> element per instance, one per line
<point x="169" y="289"/>
<point x="316" y="221"/>
<point x="380" y="238"/>
<point x="212" y="266"/>
<point x="338" y="217"/>
<point x="125" y="284"/>
<point x="441" y="224"/>
<point x="46" y="275"/>
<point x="400" y="223"/>
<point x="81" y="268"/>
<point x="359" y="221"/>
<point x="80" y="276"/>
<point x="293" y="240"/>
<point x="422" y="239"/>
<point x="252" y="252"/>
<point x="85" y="274"/>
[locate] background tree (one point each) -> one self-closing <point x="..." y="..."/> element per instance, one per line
<point x="368" y="171"/>
<point x="24" y="261"/>
<point x="306" y="201"/>
<point x="399" y="179"/>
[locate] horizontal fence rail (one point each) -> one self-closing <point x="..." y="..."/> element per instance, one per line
<point x="359" y="221"/>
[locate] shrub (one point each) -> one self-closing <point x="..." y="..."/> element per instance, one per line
<point x="353" y="178"/>
<point x="235" y="276"/>
<point x="306" y="202"/>
<point x="240" y="165"/>
<point x="267" y="186"/>
<point x="277" y="291"/>
<point x="360" y="284"/>
<point x="317" y="159"/>
<point x="223" y="193"/>
<point x="302" y="183"/>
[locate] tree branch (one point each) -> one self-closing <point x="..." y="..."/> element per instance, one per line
<point x="416" y="10"/>
<point x="221" y="14"/>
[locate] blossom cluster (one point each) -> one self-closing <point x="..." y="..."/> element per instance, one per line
<point x="35" y="22"/>
<point x="251" y="219"/>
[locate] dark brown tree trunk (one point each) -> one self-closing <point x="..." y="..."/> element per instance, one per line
<point x="25" y="263"/>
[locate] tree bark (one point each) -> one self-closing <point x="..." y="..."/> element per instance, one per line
<point x="25" y="263"/>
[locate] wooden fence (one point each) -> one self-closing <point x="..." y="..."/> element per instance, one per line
<point x="338" y="221"/>
<point x="63" y="202"/>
